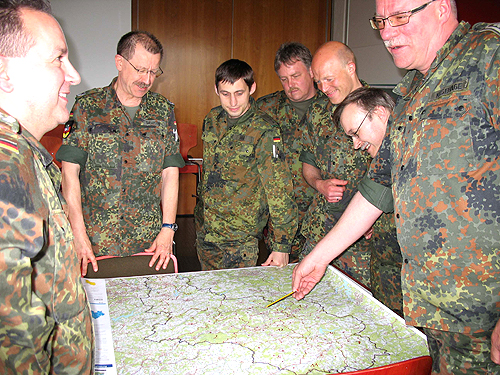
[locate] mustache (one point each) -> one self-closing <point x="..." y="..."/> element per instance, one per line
<point x="393" y="43"/>
<point x="142" y="85"/>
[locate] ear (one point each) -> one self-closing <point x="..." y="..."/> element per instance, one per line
<point x="253" y="88"/>
<point x="119" y="62"/>
<point x="216" y="90"/>
<point x="351" y="67"/>
<point x="444" y="10"/>
<point x="382" y="113"/>
<point x="5" y="83"/>
<point x="311" y="73"/>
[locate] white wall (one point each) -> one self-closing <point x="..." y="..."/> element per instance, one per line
<point x="374" y="63"/>
<point x="92" y="29"/>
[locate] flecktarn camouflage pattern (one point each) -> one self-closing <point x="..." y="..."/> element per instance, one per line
<point x="45" y="319"/>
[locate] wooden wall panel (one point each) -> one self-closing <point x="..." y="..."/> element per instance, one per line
<point x="198" y="35"/>
<point x="261" y="26"/>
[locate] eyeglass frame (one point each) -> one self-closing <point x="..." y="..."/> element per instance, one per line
<point x="411" y="13"/>
<point x="143" y="71"/>
<point x="355" y="134"/>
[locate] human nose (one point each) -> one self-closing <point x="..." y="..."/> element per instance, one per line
<point x="388" y="31"/>
<point x="233" y="100"/>
<point x="148" y="78"/>
<point x="356" y="142"/>
<point x="72" y="76"/>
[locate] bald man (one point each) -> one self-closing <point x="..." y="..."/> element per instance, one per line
<point x="330" y="164"/>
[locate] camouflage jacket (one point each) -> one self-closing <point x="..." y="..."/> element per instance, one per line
<point x="246" y="180"/>
<point x="277" y="105"/>
<point x="328" y="148"/>
<point x="441" y="157"/>
<point x="122" y="161"/>
<point x="39" y="268"/>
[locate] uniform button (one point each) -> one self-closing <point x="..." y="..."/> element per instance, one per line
<point x="121" y="217"/>
<point x="397" y="215"/>
<point x="410" y="117"/>
<point x="127" y="134"/>
<point x="402" y="167"/>
<point x="400" y="128"/>
<point x="126" y="161"/>
<point x="123" y="190"/>
<point x="406" y="260"/>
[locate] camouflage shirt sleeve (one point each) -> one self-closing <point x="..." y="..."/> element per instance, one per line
<point x="278" y="187"/>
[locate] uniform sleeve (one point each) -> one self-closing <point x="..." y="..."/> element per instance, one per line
<point x="277" y="181"/>
<point x="25" y="326"/>
<point x="173" y="157"/>
<point x="492" y="92"/>
<point x="74" y="145"/>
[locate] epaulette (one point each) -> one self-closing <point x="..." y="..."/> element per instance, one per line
<point x="269" y="96"/>
<point x="494" y="27"/>
<point x="95" y="90"/>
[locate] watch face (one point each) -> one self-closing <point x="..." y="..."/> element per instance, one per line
<point x="175" y="227"/>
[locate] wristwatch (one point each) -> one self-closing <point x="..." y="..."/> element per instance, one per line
<point x="173" y="226"/>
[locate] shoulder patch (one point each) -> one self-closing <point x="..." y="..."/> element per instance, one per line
<point x="7" y="143"/>
<point x="68" y="127"/>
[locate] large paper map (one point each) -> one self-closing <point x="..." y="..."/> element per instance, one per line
<point x="217" y="323"/>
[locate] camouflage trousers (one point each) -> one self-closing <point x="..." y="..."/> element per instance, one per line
<point x="458" y="353"/>
<point x="216" y="256"/>
<point x="69" y="350"/>
<point x="385" y="271"/>
<point x="355" y="261"/>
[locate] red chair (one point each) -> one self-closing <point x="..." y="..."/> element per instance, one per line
<point x="415" y="366"/>
<point x="188" y="138"/>
<point x="134" y="265"/>
<point x="52" y="140"/>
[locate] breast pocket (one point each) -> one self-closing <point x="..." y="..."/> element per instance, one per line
<point x="104" y="146"/>
<point x="238" y="161"/>
<point x="152" y="149"/>
<point x="444" y="138"/>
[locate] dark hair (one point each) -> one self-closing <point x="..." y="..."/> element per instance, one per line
<point x="290" y="53"/>
<point x="232" y="70"/>
<point x="367" y="98"/>
<point x="128" y="42"/>
<point x="15" y="39"/>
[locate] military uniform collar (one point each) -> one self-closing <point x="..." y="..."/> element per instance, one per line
<point x="112" y="100"/>
<point x="12" y="124"/>
<point x="246" y="115"/>
<point x="413" y="79"/>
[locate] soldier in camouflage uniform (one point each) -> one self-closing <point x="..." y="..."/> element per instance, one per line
<point x="363" y="115"/>
<point x="288" y="107"/>
<point x="440" y="160"/>
<point x="330" y="165"/>
<point x="44" y="314"/>
<point x="246" y="180"/>
<point x="120" y="154"/>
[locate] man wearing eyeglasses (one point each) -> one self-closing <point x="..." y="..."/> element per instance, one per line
<point x="440" y="163"/>
<point x="120" y="154"/>
<point x="329" y="163"/>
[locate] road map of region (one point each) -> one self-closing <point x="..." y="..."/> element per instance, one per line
<point x="217" y="323"/>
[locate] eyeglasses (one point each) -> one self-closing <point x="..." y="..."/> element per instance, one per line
<point x="143" y="71"/>
<point x="398" y="19"/>
<point x="355" y="134"/>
